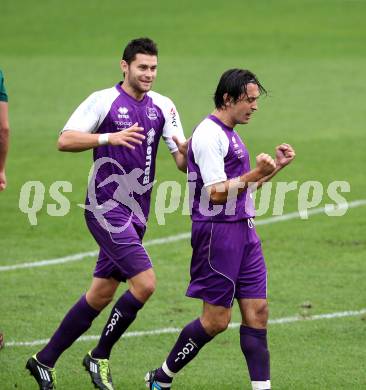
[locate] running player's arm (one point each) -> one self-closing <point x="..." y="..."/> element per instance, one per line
<point x="180" y="156"/>
<point x="4" y="141"/>
<point x="79" y="133"/>
<point x="4" y="133"/>
<point x="210" y="146"/>
<point x="78" y="141"/>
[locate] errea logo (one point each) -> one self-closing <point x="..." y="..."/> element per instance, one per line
<point x="149" y="139"/>
<point x="123" y="113"/>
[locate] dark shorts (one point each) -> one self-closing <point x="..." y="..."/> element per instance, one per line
<point x="121" y="254"/>
<point x="227" y="263"/>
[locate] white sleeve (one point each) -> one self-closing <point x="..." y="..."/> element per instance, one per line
<point x="87" y="117"/>
<point x="210" y="146"/>
<point x="173" y="125"/>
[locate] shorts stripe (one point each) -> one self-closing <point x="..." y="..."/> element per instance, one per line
<point x="218" y="272"/>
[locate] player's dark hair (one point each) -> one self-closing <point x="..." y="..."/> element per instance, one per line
<point x="234" y="83"/>
<point x="139" y="46"/>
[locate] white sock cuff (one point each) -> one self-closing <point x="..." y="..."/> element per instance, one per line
<point x="165" y="368"/>
<point x="261" y="385"/>
<point x="164" y="385"/>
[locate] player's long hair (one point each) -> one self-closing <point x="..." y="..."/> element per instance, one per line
<point x="139" y="46"/>
<point x="234" y="83"/>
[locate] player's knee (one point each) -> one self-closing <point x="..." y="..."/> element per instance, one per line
<point x="98" y="300"/>
<point x="256" y="314"/>
<point x="260" y="315"/>
<point x="143" y="292"/>
<point x="220" y="326"/>
<point x="263" y="312"/>
<point x="149" y="288"/>
<point x="215" y="326"/>
<point x="104" y="301"/>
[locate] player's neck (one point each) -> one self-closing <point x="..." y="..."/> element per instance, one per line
<point x="132" y="91"/>
<point x="224" y="117"/>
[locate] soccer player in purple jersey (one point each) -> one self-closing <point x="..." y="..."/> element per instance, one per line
<point x="123" y="126"/>
<point x="227" y="260"/>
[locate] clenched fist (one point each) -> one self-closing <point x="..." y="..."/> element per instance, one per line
<point x="285" y="153"/>
<point x="265" y="164"/>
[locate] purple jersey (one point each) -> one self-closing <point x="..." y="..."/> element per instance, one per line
<point x="123" y="178"/>
<point x="217" y="153"/>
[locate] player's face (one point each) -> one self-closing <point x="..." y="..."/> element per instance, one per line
<point x="141" y="72"/>
<point x="242" y="110"/>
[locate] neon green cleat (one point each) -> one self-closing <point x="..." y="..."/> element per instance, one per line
<point x="99" y="371"/>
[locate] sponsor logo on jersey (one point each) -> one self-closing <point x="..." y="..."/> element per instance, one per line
<point x="149" y="139"/>
<point x="151" y="113"/>
<point x="123" y="113"/>
<point x="173" y="116"/>
<point x="121" y="125"/>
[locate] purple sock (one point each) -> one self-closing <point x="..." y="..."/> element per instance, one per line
<point x="122" y="315"/>
<point x="191" y="339"/>
<point x="76" y="322"/>
<point x="253" y="343"/>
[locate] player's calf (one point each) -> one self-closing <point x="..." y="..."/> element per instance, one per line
<point x="253" y="343"/>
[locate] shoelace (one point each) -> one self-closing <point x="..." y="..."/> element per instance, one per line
<point x="53" y="376"/>
<point x="104" y="370"/>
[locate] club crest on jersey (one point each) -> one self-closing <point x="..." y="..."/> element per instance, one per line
<point x="123" y="113"/>
<point x="151" y="113"/>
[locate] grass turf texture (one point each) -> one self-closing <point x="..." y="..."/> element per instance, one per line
<point x="310" y="55"/>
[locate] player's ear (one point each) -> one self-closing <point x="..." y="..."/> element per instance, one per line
<point x="227" y="99"/>
<point x="124" y="66"/>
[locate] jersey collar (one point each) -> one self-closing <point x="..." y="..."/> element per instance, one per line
<point x="131" y="99"/>
<point x="217" y="121"/>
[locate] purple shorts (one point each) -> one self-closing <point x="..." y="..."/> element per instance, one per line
<point x="121" y="254"/>
<point x="227" y="262"/>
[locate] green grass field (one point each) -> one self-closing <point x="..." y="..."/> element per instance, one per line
<point x="311" y="56"/>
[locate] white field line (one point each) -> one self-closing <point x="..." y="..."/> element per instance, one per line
<point x="177" y="237"/>
<point x="234" y="325"/>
